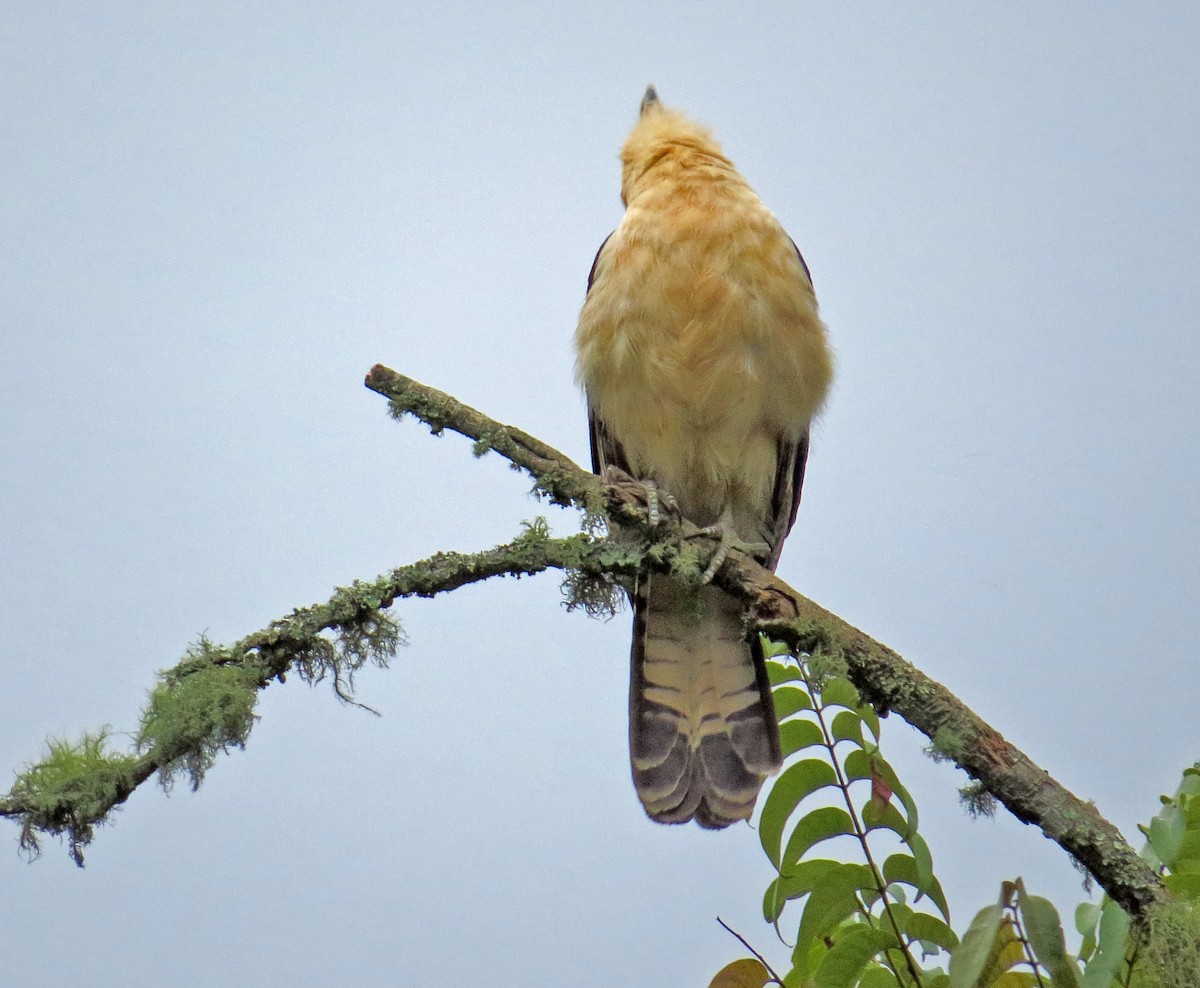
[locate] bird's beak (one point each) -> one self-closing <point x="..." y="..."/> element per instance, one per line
<point x="649" y="100"/>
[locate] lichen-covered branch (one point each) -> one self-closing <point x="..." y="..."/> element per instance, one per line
<point x="881" y="676"/>
<point x="553" y="473"/>
<point x="205" y="704"/>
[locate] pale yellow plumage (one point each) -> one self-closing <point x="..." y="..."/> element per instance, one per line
<point x="704" y="361"/>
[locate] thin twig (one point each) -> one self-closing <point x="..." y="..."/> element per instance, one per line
<point x="745" y="943"/>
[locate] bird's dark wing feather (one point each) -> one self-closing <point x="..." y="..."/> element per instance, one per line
<point x="600" y="250"/>
<point x="606" y="450"/>
<point x="803" y="264"/>
<point x="790" y="461"/>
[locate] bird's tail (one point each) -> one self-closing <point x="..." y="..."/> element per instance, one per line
<point x="702" y="727"/>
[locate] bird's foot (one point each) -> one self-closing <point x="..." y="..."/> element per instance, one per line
<point x="656" y="497"/>
<point x="728" y="538"/>
<point x="657" y="500"/>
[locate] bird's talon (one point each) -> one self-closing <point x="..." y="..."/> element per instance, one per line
<point x="657" y="500"/>
<point x="652" y="511"/>
<point x="714" y="564"/>
<point x="729" y="539"/>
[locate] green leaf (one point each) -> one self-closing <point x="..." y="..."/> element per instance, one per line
<point x="922" y="926"/>
<point x="840" y="693"/>
<point x="772" y="649"/>
<point x="900" y="912"/>
<point x="847" y="726"/>
<point x="1044" y="931"/>
<point x="783" y="672"/>
<point x="744" y="973"/>
<point x="852" y="950"/>
<point x="1191" y="808"/>
<point x="880" y="766"/>
<point x="819" y="825"/>
<point x="1114" y="927"/>
<point x="789" y="790"/>
<point x="799" y="881"/>
<point x="877" y="815"/>
<point x="857" y="765"/>
<point x="877" y="977"/>
<point x="810" y="961"/>
<point x="796" y="735"/>
<point x="1183" y="885"/>
<point x="870" y="718"/>
<point x="1166" y="833"/>
<point x="1087" y="915"/>
<point x="790" y="700"/>
<point x="902" y="868"/>
<point x="1110" y="950"/>
<point x="828" y="904"/>
<point x="968" y="961"/>
<point x="1190" y="786"/>
<point x="924" y="860"/>
<point x="1189" y="849"/>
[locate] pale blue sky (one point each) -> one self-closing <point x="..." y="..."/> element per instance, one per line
<point x="217" y="216"/>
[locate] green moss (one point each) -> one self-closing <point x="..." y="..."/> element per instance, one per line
<point x="977" y="801"/>
<point x="198" y="710"/>
<point x="689" y="563"/>
<point x="362" y="635"/>
<point x="535" y="532"/>
<point x="597" y="596"/>
<point x="1170" y="947"/>
<point x="433" y="412"/>
<point x="825" y="662"/>
<point x="805" y="636"/>
<point x="71" y="791"/>
<point x="947" y="745"/>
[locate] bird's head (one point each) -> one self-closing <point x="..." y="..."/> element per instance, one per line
<point x="663" y="136"/>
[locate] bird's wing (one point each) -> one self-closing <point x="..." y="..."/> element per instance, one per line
<point x="606" y="450"/>
<point x="790" y="461"/>
<point x="785" y="497"/>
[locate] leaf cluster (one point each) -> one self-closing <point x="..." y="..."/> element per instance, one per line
<point x="861" y="924"/>
<point x="1164" y="951"/>
<point x="857" y="925"/>
<point x="1015" y="943"/>
<point x="1019" y="941"/>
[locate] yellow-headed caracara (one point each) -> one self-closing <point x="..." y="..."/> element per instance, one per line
<point x="704" y="361"/>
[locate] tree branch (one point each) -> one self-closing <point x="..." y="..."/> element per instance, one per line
<point x="778" y="611"/>
<point x="204" y="704"/>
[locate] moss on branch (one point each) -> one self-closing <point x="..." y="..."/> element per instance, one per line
<point x="205" y="704"/>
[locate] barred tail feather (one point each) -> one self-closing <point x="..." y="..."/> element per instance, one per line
<point x="702" y="727"/>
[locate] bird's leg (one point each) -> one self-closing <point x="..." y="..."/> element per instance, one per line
<point x="729" y="539"/>
<point x="655" y="497"/>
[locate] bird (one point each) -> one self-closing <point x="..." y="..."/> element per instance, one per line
<point x="704" y="361"/>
